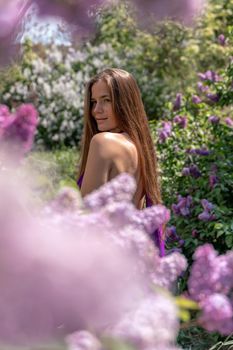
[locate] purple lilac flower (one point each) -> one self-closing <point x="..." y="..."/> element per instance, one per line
<point x="214" y="119"/>
<point x="210" y="283"/>
<point x="20" y="128"/>
<point x="225" y="263"/>
<point x="207" y="205"/>
<point x="194" y="171"/>
<point x="82" y="340"/>
<point x="181" y="242"/>
<point x="196" y="99"/>
<point x="183" y="206"/>
<point x="165" y="131"/>
<point x="209" y="75"/>
<point x="186" y="171"/>
<point x="153" y="217"/>
<point x="52" y="276"/>
<point x="213" y="178"/>
<point x="213" y="97"/>
<point x="201" y="87"/>
<point x="194" y="233"/>
<point x="212" y="76"/>
<point x="153" y="324"/>
<point x="120" y="189"/>
<point x="198" y="151"/>
<point x="181" y="121"/>
<point x="207" y="214"/>
<point x="217" y="314"/>
<point x="222" y="39"/>
<point x="4" y="113"/>
<point x="229" y="121"/>
<point x="202" y="151"/>
<point x="171" y="233"/>
<point x="178" y="101"/>
<point x="168" y="269"/>
<point x="205" y="272"/>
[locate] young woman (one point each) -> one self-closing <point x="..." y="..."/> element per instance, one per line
<point x="117" y="137"/>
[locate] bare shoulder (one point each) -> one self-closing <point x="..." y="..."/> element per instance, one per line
<point x="109" y="144"/>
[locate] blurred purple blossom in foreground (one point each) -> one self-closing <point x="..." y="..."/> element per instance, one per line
<point x="83" y="340"/>
<point x="11" y="15"/>
<point x="17" y="130"/>
<point x="72" y="266"/>
<point x="75" y="12"/>
<point x="211" y="285"/>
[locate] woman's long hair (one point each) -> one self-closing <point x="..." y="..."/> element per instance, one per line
<point x="128" y="107"/>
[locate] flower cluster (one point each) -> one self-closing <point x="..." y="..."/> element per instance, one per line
<point x="210" y="283"/>
<point x="165" y="131"/>
<point x="207" y="214"/>
<point x="209" y="76"/>
<point x="17" y="130"/>
<point x="181" y="121"/>
<point x="192" y="170"/>
<point x="183" y="206"/>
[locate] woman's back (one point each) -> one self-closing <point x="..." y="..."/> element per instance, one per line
<point x="109" y="155"/>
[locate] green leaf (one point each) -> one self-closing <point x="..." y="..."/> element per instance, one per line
<point x="229" y="241"/>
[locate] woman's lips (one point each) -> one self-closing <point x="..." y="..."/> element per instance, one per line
<point x="101" y="120"/>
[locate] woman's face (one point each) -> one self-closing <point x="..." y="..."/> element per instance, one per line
<point x="101" y="107"/>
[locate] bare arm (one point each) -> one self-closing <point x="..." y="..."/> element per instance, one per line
<point x="98" y="164"/>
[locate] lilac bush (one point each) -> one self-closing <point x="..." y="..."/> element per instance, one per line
<point x="196" y="162"/>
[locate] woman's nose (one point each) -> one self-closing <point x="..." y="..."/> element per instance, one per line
<point x="98" y="107"/>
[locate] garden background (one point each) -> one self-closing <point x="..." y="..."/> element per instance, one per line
<point x="186" y="78"/>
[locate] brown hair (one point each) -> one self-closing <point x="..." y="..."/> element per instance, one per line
<point x="129" y="109"/>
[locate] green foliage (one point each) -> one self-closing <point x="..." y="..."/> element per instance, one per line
<point x="51" y="171"/>
<point x="195" y="338"/>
